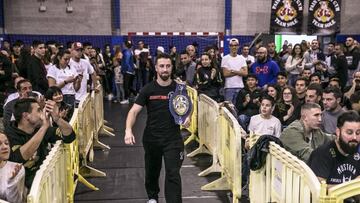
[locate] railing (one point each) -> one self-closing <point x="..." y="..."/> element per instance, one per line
<point x="208" y="132"/>
<point x="229" y="155"/>
<point x="193" y="125"/>
<point x="47" y="186"/>
<point x="284" y="178"/>
<point x="339" y="193"/>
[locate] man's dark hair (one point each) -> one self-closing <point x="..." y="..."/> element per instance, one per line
<point x="87" y="44"/>
<point x="268" y="97"/>
<point x="251" y="75"/>
<point x="336" y="91"/>
<point x="303" y="79"/>
<point x="18" y="85"/>
<point x="162" y="56"/>
<point x="316" y="87"/>
<point x="282" y="73"/>
<point x="184" y="52"/>
<point x="315" y="75"/>
<point x="349" y="116"/>
<point x="21" y="106"/>
<point x="36" y="43"/>
<point x="128" y="44"/>
<point x="308" y="106"/>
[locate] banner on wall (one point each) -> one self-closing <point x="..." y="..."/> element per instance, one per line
<point x="286" y="16"/>
<point x="324" y="17"/>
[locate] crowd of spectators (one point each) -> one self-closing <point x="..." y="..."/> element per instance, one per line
<point x="296" y="95"/>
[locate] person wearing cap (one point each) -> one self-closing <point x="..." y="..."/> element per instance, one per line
<point x="83" y="69"/>
<point x="234" y="69"/>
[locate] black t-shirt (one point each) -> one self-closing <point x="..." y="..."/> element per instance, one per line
<point x="160" y="124"/>
<point x="327" y="162"/>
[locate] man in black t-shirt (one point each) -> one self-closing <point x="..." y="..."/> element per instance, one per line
<point x="161" y="138"/>
<point x="339" y="161"/>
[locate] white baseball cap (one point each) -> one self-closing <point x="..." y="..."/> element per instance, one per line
<point x="160" y="48"/>
<point x="233" y="40"/>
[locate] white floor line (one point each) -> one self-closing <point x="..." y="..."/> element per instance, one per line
<point x="188" y="166"/>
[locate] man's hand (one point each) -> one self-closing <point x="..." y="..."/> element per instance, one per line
<point x="15" y="171"/>
<point x="187" y="122"/>
<point x="52" y="108"/>
<point x="129" y="137"/>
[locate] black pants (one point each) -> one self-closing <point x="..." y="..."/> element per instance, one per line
<point x="173" y="153"/>
<point x="128" y="85"/>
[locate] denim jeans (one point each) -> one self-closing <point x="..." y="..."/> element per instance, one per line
<point x="231" y="94"/>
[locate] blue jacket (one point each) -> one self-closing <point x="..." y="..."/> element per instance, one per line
<point x="265" y="72"/>
<point x="127" y="62"/>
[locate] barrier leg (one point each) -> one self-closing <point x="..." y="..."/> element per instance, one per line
<point x="88" y="171"/>
<point x="219" y="184"/>
<point x="191" y="138"/>
<point x="200" y="150"/>
<point x="100" y="145"/>
<point x="86" y="183"/>
<point x="109" y="128"/>
<point x="215" y="167"/>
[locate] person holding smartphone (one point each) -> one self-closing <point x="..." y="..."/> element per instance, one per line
<point x="64" y="76"/>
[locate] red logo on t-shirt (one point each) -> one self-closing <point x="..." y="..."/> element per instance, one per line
<point x="159" y="97"/>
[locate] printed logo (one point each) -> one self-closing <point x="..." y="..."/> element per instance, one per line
<point x="324" y="13"/>
<point x="286" y="12"/>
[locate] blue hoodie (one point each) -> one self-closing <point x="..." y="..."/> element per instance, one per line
<point x="127" y="62"/>
<point x="266" y="73"/>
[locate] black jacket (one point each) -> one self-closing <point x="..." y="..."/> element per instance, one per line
<point x="18" y="138"/>
<point x="37" y="75"/>
<point x="257" y="154"/>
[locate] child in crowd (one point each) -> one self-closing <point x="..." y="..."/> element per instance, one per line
<point x="265" y="123"/>
<point x="119" y="82"/>
<point x="12" y="175"/>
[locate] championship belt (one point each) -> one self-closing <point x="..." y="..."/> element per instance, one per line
<point x="180" y="104"/>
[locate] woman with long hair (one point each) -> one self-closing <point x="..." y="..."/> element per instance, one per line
<point x="64" y="77"/>
<point x="287" y="109"/>
<point x="274" y="91"/>
<point x="206" y="78"/>
<point x="294" y="64"/>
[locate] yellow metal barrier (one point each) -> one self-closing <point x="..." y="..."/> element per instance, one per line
<point x="339" y="193"/>
<point x="284" y="178"/>
<point x="229" y="155"/>
<point x="73" y="162"/>
<point x="209" y="136"/>
<point x="86" y="127"/>
<point x="193" y="126"/>
<point x="98" y="107"/>
<point x="48" y="184"/>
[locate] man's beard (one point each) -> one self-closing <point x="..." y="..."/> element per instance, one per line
<point x="262" y="59"/>
<point x="350" y="147"/>
<point x="165" y="77"/>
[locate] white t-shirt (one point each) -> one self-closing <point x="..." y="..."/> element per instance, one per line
<point x="16" y="95"/>
<point x="250" y="58"/>
<point x="262" y="126"/>
<point x="60" y="75"/>
<point x="12" y="190"/>
<point x="85" y="68"/>
<point x="233" y="63"/>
